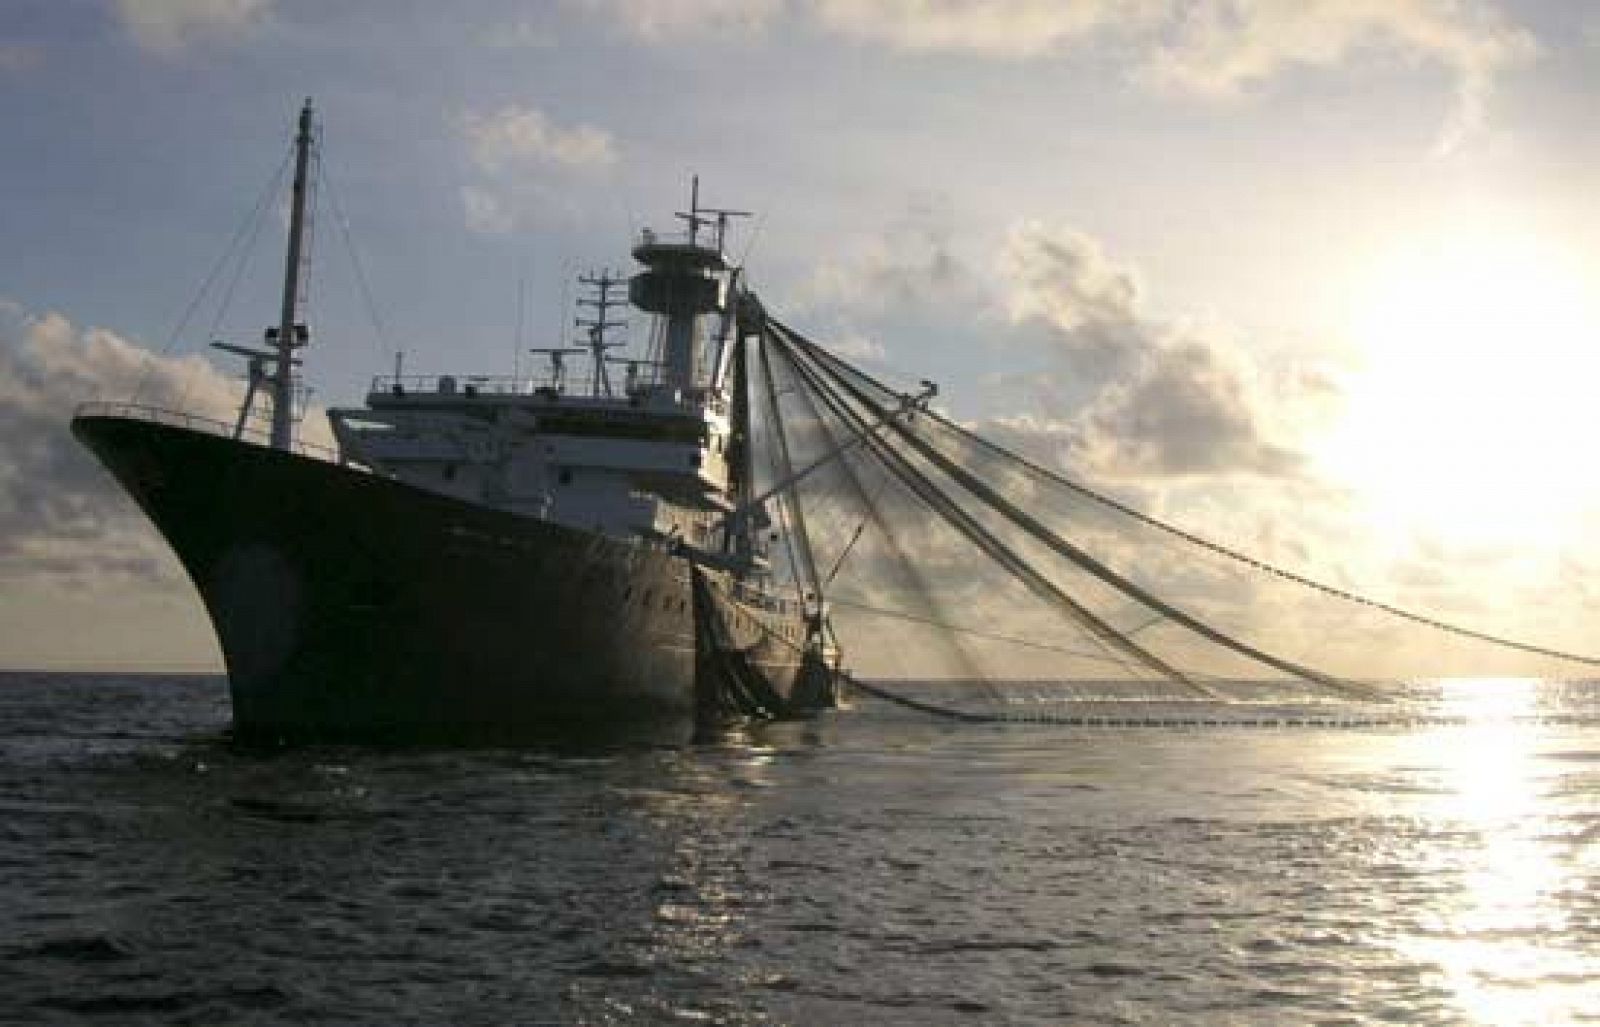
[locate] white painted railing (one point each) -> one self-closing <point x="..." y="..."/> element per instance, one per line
<point x="194" y="422"/>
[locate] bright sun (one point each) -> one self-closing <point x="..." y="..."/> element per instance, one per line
<point x="1473" y="416"/>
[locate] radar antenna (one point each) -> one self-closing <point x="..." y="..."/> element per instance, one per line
<point x="697" y="217"/>
<point x="558" y="364"/>
<point x="602" y="299"/>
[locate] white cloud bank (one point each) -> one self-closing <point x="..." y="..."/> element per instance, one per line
<point x="1222" y="47"/>
<point x="85" y="579"/>
<point x="63" y="520"/>
<point x="1189" y="425"/>
<point x="168" y="26"/>
<point x="1168" y="399"/>
<point x="525" y="162"/>
<point x="516" y="137"/>
<point x="673" y="20"/>
<point x="1213" y="49"/>
<point x="989" y="28"/>
<point x="1120" y="395"/>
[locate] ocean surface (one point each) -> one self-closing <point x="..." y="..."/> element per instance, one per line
<point x="872" y="866"/>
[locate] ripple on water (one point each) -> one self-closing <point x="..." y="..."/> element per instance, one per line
<point x="863" y="870"/>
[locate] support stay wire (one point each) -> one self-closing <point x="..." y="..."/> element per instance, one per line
<point x="1190" y="538"/>
<point x="986" y="498"/>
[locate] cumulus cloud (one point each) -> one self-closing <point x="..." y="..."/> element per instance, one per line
<point x="1206" y="48"/>
<point x="1211" y="48"/>
<point x="168" y="26"/>
<point x="1190" y="408"/>
<point x="1119" y="393"/>
<point x="1061" y="278"/>
<point x="526" y="164"/>
<point x="912" y="263"/>
<point x="523" y="34"/>
<point x="1165" y="399"/>
<point x="857" y="346"/>
<point x="518" y="137"/>
<point x="664" y="20"/>
<point x="1221" y="47"/>
<point x="1180" y="420"/>
<point x="62" y="518"/>
<point x="997" y="28"/>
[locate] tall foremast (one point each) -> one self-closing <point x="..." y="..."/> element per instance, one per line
<point x="271" y="369"/>
<point x="290" y="330"/>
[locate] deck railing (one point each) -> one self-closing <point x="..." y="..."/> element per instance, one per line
<point x="194" y="422"/>
<point x="574" y="387"/>
<point x="575" y="384"/>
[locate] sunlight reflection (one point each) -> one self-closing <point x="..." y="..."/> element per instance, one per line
<point x="1502" y="937"/>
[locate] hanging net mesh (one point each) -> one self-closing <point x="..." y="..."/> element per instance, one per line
<point x="990" y="580"/>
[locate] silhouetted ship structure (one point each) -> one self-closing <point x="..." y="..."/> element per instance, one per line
<point x="505" y="557"/>
<point x="494" y="557"/>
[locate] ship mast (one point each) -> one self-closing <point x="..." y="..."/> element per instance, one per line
<point x="291" y="334"/>
<point x="602" y="301"/>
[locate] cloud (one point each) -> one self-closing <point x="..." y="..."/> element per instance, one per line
<point x="1119" y="394"/>
<point x="857" y="346"/>
<point x="1222" y="47"/>
<point x="1062" y="279"/>
<point x="912" y="263"/>
<point x="1163" y="399"/>
<point x="991" y="28"/>
<point x="527" y="165"/>
<point x="672" y="20"/>
<point x="1189" y="408"/>
<point x="517" y="137"/>
<point x="168" y="26"/>
<point x="16" y="58"/>
<point x="62" y="518"/>
<point x="1213" y="49"/>
<point x="1180" y="419"/>
<point x="521" y="35"/>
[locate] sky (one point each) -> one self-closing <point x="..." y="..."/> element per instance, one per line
<point x="1317" y="278"/>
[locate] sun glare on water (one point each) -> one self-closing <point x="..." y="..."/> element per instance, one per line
<point x="1473" y="414"/>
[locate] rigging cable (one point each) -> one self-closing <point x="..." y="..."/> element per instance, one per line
<point x="1231" y="554"/>
<point x="943" y="625"/>
<point x="920" y="587"/>
<point x="947" y="508"/>
<point x="796" y="538"/>
<point x="147" y="370"/>
<point x="381" y="337"/>
<point x="993" y="500"/>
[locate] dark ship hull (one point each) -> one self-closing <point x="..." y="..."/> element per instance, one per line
<point x="350" y="606"/>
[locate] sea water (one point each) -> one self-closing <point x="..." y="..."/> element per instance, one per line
<point x="870" y="866"/>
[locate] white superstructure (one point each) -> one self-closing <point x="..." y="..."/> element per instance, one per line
<point x="647" y="456"/>
<point x="650" y="462"/>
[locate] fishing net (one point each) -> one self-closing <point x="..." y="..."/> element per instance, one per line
<point x="952" y="561"/>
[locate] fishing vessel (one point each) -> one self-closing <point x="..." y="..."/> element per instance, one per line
<point x="489" y="557"/>
<point x="617" y="543"/>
